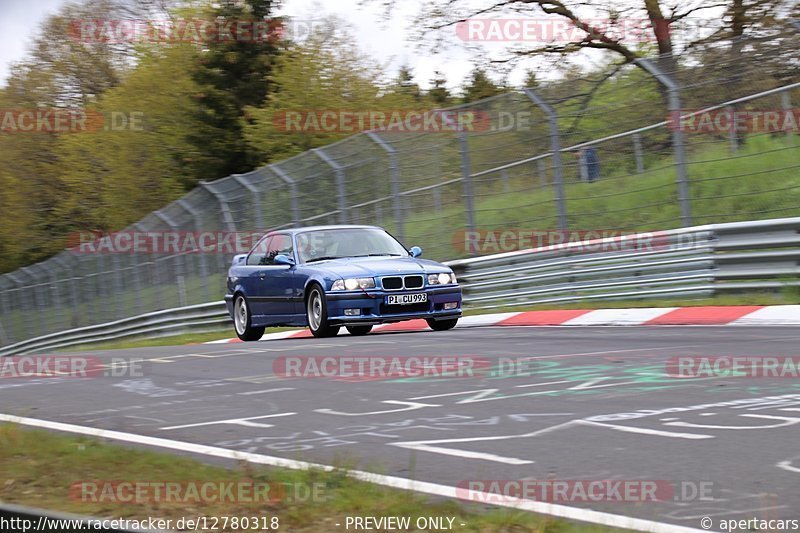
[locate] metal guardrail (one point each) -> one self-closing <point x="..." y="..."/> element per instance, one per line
<point x="698" y="262"/>
<point x="650" y="265"/>
<point x="199" y="317"/>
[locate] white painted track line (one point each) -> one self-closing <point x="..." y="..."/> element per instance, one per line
<point x="435" y="489"/>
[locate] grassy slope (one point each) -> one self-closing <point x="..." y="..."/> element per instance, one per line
<point x="761" y="181"/>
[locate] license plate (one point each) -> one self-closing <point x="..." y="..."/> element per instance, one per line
<point x="406" y="299"/>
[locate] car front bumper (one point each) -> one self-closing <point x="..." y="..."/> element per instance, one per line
<point x="374" y="310"/>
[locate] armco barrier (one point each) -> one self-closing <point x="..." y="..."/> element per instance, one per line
<point x="167" y="322"/>
<point x="697" y="262"/>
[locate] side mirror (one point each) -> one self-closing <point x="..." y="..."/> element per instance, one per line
<point x="415" y="251"/>
<point x="238" y="259"/>
<point x="282" y="259"/>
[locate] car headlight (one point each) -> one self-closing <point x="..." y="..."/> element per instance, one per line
<point x="353" y="284"/>
<point x="444" y="278"/>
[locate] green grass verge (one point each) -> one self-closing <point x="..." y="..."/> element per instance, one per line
<point x="760" y="181"/>
<point x="37" y="468"/>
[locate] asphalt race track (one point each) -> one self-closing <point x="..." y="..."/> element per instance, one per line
<point x="565" y="419"/>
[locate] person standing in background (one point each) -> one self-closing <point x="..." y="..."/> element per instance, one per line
<point x="589" y="163"/>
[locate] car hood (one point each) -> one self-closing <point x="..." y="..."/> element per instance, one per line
<point x="353" y="267"/>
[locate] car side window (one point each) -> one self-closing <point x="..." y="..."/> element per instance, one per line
<point x="278" y="244"/>
<point x="259" y="253"/>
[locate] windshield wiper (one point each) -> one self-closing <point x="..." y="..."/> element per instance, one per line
<point x="322" y="258"/>
<point x="376" y="255"/>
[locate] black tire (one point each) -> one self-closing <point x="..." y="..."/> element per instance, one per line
<point x="441" y="325"/>
<point x="241" y="320"/>
<point x="358" y="331"/>
<point x="317" y="313"/>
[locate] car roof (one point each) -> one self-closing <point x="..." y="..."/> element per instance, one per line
<point x="330" y="227"/>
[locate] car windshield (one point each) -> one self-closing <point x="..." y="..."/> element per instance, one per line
<point x="324" y="244"/>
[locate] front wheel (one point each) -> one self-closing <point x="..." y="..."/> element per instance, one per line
<point x="357" y="331"/>
<point x="317" y="314"/>
<point x="241" y="321"/>
<point x="442" y="325"/>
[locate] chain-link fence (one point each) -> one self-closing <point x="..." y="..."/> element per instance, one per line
<point x="635" y="147"/>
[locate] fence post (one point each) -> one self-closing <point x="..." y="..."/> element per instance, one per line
<point x="138" y="271"/>
<point x="437" y="199"/>
<point x="180" y="271"/>
<point x="466" y="171"/>
<point x="256" y="195"/>
<point x="341" y="193"/>
<point x="74" y="289"/>
<point x="394" y="173"/>
<point x="22" y="324"/>
<point x="30" y="302"/>
<point x="555" y="149"/>
<point x="637" y="153"/>
<point x="197" y="218"/>
<point x="5" y="312"/>
<point x="227" y="217"/>
<point x="119" y="284"/>
<point x="155" y="278"/>
<point x="678" y="142"/>
<point x="733" y="135"/>
<point x="292" y="191"/>
<point x="542" y="170"/>
<point x="62" y="301"/>
<point x="47" y="277"/>
<point x="786" y="104"/>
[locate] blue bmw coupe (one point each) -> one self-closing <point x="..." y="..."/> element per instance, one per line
<point x="325" y="277"/>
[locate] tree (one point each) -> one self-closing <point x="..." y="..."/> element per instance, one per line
<point x="438" y="92"/>
<point x="111" y="179"/>
<point x="530" y="81"/>
<point x="479" y="86"/>
<point x="60" y="72"/>
<point x="236" y="75"/>
<point x="405" y="84"/>
<point x="327" y="72"/>
<point x="666" y="24"/>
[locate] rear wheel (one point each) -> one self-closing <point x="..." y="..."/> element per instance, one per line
<point x="241" y="321"/>
<point x="359" y="330"/>
<point x="442" y="325"/>
<point x="317" y="314"/>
